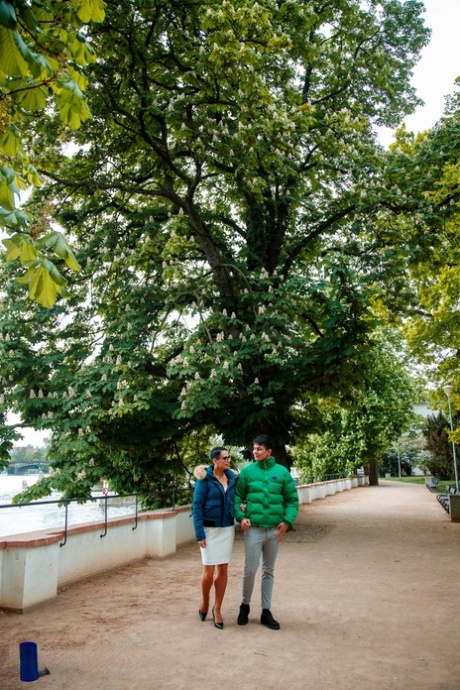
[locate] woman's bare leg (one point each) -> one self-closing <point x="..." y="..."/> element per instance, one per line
<point x="207" y="578"/>
<point x="220" y="585"/>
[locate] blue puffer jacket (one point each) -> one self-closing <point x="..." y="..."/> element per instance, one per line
<point x="212" y="506"/>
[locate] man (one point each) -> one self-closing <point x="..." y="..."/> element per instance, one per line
<point x="266" y="505"/>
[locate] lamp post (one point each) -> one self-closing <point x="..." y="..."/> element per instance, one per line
<point x="448" y="390"/>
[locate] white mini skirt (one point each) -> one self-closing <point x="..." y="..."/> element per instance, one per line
<point x="219" y="545"/>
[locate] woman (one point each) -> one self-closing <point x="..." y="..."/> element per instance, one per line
<point x="213" y="521"/>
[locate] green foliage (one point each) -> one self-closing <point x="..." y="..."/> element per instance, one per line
<point x="431" y="163"/>
<point x="436" y="433"/>
<point x="356" y="431"/>
<point x="43" y="54"/>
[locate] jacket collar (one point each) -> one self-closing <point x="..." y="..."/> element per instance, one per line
<point x="266" y="464"/>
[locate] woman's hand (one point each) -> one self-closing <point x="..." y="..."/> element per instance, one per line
<point x="202" y="543"/>
<point x="245" y="523"/>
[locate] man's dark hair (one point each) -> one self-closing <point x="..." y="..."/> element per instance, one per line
<point x="214" y="454"/>
<point x="264" y="440"/>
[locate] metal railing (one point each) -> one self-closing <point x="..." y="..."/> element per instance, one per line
<point x="318" y="478"/>
<point x="162" y="500"/>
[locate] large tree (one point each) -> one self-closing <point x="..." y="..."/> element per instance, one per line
<point x="356" y="431"/>
<point x="235" y="220"/>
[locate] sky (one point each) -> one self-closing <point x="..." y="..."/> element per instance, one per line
<point x="435" y="73"/>
<point x="434" y="78"/>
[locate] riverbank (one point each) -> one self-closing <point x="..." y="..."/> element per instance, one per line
<point x="45" y="516"/>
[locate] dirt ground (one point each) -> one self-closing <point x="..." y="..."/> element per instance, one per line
<point x="366" y="591"/>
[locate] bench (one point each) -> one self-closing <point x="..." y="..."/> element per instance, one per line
<point x="444" y="498"/>
<point x="431" y="483"/>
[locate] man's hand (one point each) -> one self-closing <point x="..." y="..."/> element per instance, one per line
<point x="245" y="523"/>
<point x="281" y="531"/>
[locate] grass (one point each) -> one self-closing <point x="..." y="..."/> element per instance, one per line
<point x="409" y="480"/>
<point x="440" y="489"/>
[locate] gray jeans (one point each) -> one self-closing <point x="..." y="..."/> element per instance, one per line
<point x="259" y="542"/>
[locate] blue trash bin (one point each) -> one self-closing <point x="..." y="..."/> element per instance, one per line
<point x="28" y="661"/>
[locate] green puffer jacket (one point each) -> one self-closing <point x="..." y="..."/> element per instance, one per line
<point x="269" y="493"/>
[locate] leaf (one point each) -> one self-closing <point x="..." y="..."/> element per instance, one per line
<point x="28" y="252"/>
<point x="59" y="245"/>
<point x="72" y="105"/>
<point x="8" y="17"/>
<point x="89" y="10"/>
<point x="26" y="277"/>
<point x="43" y="288"/>
<point x="6" y="195"/>
<point x="10" y="143"/>
<point x="11" y="61"/>
<point x="13" y="250"/>
<point x="31" y="99"/>
<point x="28" y="17"/>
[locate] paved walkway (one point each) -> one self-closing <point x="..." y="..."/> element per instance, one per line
<point x="366" y="590"/>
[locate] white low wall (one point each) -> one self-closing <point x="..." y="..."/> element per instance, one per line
<point x="34" y="565"/>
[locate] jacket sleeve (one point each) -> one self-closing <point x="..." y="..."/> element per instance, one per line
<point x="241" y="490"/>
<point x="291" y="500"/>
<point x="199" y="498"/>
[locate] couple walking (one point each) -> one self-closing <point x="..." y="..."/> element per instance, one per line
<point x="264" y="500"/>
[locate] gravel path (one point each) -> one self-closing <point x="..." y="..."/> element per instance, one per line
<point x="366" y="592"/>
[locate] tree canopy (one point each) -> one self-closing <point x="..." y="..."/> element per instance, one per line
<point x="240" y="231"/>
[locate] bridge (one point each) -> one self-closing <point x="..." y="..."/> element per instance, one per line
<point x="24" y="467"/>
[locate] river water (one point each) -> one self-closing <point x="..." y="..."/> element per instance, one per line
<point x="29" y="518"/>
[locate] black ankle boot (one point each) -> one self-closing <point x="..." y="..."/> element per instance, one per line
<point x="243" y="614"/>
<point x="268" y="620"/>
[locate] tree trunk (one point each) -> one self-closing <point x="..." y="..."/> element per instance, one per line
<point x="372" y="470"/>
<point x="282" y="456"/>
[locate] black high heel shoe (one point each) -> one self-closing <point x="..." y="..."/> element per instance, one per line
<point x="202" y="614"/>
<point x="219" y="626"/>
